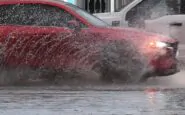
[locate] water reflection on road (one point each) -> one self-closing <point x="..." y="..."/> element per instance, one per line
<point x="55" y="101"/>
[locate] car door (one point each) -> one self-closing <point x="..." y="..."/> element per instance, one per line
<point x="38" y="35"/>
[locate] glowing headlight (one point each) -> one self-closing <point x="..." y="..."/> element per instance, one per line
<point x="157" y="44"/>
<point x="161" y="44"/>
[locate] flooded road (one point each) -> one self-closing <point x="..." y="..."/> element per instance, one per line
<point x="159" y="96"/>
<point x="143" y="99"/>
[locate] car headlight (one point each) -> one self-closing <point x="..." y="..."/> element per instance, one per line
<point x="158" y="44"/>
<point x="161" y="44"/>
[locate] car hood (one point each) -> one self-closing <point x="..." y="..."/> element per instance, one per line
<point x="135" y="34"/>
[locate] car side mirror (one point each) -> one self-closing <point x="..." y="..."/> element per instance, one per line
<point x="73" y="24"/>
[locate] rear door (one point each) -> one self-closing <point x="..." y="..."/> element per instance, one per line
<point x="37" y="35"/>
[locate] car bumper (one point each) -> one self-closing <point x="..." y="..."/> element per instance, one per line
<point x="170" y="70"/>
<point x="165" y="65"/>
<point x="162" y="71"/>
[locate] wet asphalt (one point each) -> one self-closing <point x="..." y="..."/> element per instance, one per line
<point x="160" y="96"/>
<point x="56" y="101"/>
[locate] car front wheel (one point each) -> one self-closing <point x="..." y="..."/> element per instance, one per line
<point x="122" y="62"/>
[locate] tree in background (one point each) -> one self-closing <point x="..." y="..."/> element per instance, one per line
<point x="182" y="7"/>
<point x="103" y="6"/>
<point x="91" y="6"/>
<point x="97" y="7"/>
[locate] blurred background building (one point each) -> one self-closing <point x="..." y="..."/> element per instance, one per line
<point x="100" y="6"/>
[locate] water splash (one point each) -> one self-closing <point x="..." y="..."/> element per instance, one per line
<point x="43" y="50"/>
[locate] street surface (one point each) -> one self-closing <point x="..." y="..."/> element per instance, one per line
<point x="55" y="101"/>
<point x="164" y="96"/>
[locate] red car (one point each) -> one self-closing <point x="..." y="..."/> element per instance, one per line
<point x="58" y="36"/>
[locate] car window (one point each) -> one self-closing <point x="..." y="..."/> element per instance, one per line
<point x="87" y="16"/>
<point x="152" y="9"/>
<point x="35" y="14"/>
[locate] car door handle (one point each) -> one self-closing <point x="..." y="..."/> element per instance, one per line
<point x="176" y="24"/>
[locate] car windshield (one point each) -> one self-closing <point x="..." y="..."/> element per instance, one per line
<point x="90" y="18"/>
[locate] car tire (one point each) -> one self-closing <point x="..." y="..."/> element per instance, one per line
<point x="122" y="62"/>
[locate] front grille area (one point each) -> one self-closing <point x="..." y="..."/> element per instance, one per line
<point x="174" y="46"/>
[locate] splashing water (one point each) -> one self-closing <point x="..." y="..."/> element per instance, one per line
<point x="44" y="51"/>
<point x="66" y="56"/>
